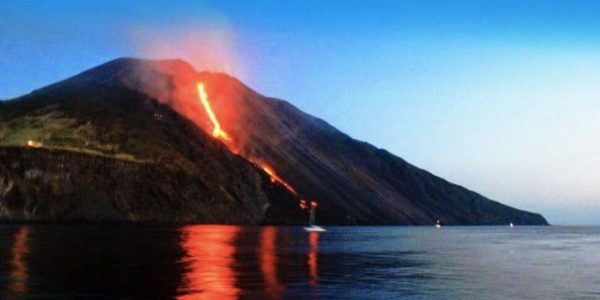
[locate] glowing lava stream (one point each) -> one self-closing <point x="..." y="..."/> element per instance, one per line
<point x="275" y="178"/>
<point x="217" y="131"/>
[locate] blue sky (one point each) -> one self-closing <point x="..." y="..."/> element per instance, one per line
<point x="502" y="97"/>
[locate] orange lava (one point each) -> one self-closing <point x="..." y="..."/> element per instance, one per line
<point x="217" y="131"/>
<point x="275" y="178"/>
<point x="303" y="204"/>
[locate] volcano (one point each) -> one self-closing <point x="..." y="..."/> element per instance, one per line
<point x="134" y="140"/>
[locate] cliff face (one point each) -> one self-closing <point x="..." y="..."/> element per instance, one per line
<point x="52" y="185"/>
<point x="96" y="112"/>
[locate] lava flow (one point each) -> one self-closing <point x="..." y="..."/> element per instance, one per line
<point x="217" y="131"/>
<point x="275" y="178"/>
<point x="220" y="134"/>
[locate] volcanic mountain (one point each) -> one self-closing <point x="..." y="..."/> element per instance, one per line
<point x="142" y="140"/>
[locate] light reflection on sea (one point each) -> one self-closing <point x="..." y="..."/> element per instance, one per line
<point x="228" y="262"/>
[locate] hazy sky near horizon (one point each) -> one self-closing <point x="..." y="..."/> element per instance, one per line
<point x="502" y="97"/>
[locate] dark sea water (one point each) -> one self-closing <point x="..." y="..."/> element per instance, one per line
<point x="221" y="262"/>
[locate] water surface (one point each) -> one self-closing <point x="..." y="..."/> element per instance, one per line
<point x="221" y="262"/>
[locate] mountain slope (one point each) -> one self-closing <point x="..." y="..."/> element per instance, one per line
<point x="353" y="181"/>
<point x="106" y="152"/>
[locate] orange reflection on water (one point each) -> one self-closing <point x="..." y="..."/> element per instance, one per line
<point x="268" y="259"/>
<point x="313" y="241"/>
<point x="18" y="274"/>
<point x="209" y="261"/>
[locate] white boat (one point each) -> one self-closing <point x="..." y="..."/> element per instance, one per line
<point x="437" y="224"/>
<point x="315" y="228"/>
<point x="311" y="222"/>
<point x="511" y="225"/>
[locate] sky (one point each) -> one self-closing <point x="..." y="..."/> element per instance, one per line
<point x="502" y="97"/>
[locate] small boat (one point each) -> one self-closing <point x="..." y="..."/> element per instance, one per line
<point x="315" y="228"/>
<point x="438" y="224"/>
<point x="311" y="222"/>
<point x="511" y="225"/>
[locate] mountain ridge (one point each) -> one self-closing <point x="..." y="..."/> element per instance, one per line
<point x="354" y="181"/>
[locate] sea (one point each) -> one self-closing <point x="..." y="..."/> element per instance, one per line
<point x="230" y="262"/>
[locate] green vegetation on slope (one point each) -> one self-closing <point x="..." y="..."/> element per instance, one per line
<point x="118" y="123"/>
<point x="48" y="128"/>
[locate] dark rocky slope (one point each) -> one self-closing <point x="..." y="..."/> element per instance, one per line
<point x="113" y="154"/>
<point x="353" y="181"/>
